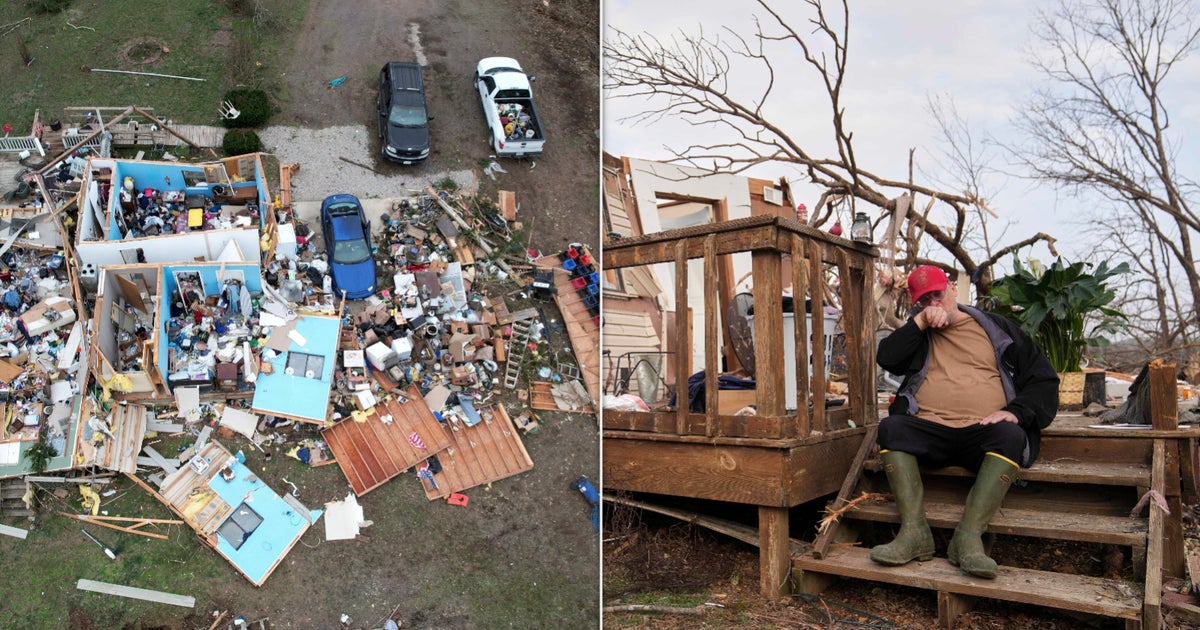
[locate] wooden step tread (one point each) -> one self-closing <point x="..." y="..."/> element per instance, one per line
<point x="1099" y="473"/>
<point x="1097" y="596"/>
<point x="1116" y="530"/>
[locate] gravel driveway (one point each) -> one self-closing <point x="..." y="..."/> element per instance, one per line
<point x="324" y="170"/>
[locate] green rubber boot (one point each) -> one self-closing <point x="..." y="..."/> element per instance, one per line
<point x="915" y="541"/>
<point x="966" y="550"/>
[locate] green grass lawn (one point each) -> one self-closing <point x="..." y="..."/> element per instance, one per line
<point x="45" y="59"/>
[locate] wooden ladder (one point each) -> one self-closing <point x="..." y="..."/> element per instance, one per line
<point x="1082" y="488"/>
<point x="517" y="347"/>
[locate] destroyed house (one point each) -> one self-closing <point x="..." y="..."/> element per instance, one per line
<point x="645" y="197"/>
<point x="139" y="211"/>
<point x="165" y="326"/>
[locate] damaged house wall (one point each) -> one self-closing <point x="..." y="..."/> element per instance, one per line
<point x="164" y="224"/>
<point x="212" y="278"/>
<point x="125" y="292"/>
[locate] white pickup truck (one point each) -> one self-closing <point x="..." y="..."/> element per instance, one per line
<point x="508" y="106"/>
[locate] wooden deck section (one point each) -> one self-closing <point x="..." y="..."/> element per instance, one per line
<point x="128" y="426"/>
<point x="187" y="494"/>
<point x="485" y="453"/>
<point x="581" y="326"/>
<point x="778" y="458"/>
<point x="371" y="453"/>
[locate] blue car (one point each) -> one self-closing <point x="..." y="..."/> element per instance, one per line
<point x="348" y="244"/>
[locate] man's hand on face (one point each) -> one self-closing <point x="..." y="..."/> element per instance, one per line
<point x="932" y="316"/>
<point x="999" y="416"/>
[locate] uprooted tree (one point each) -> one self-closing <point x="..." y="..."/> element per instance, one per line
<point x="1101" y="126"/>
<point x="691" y="76"/>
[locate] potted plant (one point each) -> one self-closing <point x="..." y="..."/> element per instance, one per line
<point x="1055" y="306"/>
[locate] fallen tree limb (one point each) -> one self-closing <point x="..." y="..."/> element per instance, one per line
<point x="466" y="226"/>
<point x="648" y="608"/>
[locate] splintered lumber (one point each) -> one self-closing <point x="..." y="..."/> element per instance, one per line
<point x="132" y="592"/>
<point x="466" y="226"/>
<point x="107" y="521"/>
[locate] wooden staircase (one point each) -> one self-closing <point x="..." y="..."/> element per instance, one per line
<point x="11" y="493"/>
<point x="1083" y="488"/>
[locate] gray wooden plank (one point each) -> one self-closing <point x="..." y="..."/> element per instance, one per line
<point x="15" y="532"/>
<point x="1097" y="596"/>
<point x="163" y="427"/>
<point x="96" y="480"/>
<point x="159" y="460"/>
<point x="133" y="592"/>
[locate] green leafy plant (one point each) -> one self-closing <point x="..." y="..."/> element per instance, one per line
<point x="254" y="106"/>
<point x="40" y="454"/>
<point x="1055" y="304"/>
<point x="447" y="184"/>
<point x="241" y="141"/>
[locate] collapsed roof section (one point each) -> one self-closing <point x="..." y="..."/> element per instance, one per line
<point x="302" y="355"/>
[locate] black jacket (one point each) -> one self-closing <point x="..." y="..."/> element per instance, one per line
<point x="1030" y="383"/>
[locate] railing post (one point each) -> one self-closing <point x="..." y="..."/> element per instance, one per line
<point x="799" y="291"/>
<point x="683" y="358"/>
<point x="768" y="333"/>
<point x="711" y="310"/>
<point x="820" y="422"/>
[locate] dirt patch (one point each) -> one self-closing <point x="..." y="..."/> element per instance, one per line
<point x="143" y="51"/>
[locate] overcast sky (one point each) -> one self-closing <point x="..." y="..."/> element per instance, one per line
<point x="901" y="53"/>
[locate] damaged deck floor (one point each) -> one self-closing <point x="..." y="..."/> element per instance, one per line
<point x="374" y="451"/>
<point x="489" y="451"/>
<point x="581" y="327"/>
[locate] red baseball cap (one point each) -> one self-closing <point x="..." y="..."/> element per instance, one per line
<point x="924" y="279"/>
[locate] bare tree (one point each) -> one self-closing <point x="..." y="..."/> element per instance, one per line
<point x="1101" y="126"/>
<point x="692" y="77"/>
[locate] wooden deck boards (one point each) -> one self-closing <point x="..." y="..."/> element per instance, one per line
<point x="581" y="327"/>
<point x="128" y="426"/>
<point x="202" y="512"/>
<point x="487" y="452"/>
<point x="372" y="452"/>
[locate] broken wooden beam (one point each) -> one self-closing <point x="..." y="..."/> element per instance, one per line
<point x="107" y="521"/>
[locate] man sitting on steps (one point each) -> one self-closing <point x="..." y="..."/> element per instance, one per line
<point x="977" y="392"/>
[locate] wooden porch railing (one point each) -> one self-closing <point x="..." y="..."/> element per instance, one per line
<point x="770" y="242"/>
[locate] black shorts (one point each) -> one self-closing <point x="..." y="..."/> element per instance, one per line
<point x="937" y="445"/>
